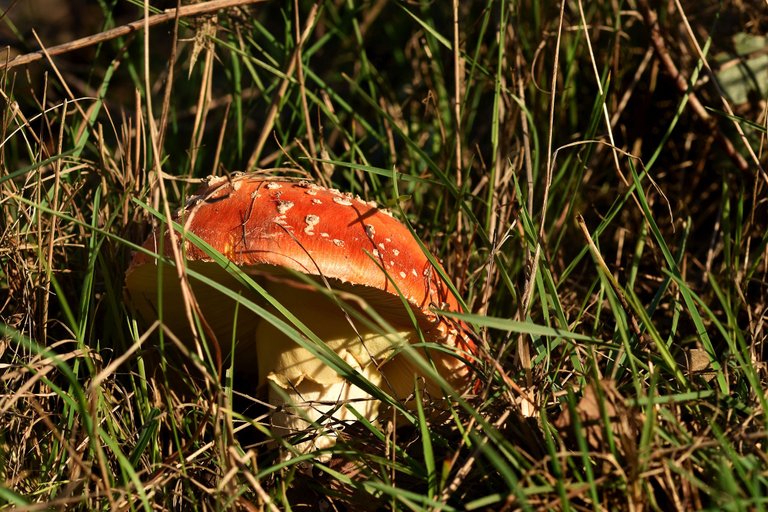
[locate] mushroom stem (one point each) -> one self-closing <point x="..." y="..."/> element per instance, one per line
<point x="304" y="388"/>
<point x="309" y="402"/>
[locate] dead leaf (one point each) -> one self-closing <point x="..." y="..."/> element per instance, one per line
<point x="624" y="422"/>
<point x="697" y="363"/>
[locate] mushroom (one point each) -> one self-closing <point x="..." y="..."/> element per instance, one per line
<point x="353" y="258"/>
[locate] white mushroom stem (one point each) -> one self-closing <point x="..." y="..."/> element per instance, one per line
<point x="308" y="390"/>
<point x="309" y="402"/>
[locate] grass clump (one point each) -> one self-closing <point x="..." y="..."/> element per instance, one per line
<point x="591" y="174"/>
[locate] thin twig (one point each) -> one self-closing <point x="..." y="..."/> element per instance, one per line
<point x="523" y="348"/>
<point x="269" y="123"/>
<point x="169" y="82"/>
<point x="44" y="52"/>
<point x="303" y="90"/>
<point x="457" y="85"/>
<point x="203" y="105"/>
<point x="157" y="19"/>
<point x="458" y="82"/>
<point x="527" y="159"/>
<point x="603" y="97"/>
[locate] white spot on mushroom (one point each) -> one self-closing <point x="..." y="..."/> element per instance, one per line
<point x="388" y="240"/>
<point x="342" y="201"/>
<point x="370" y="230"/>
<point x="311" y="192"/>
<point x="284" y="206"/>
<point x="324" y="235"/>
<point x="395" y="252"/>
<point x="214" y="181"/>
<point x="376" y="253"/>
<point x="381" y="246"/>
<point x="236" y="185"/>
<point x="317" y="201"/>
<point x="273" y="186"/>
<point x="255" y="194"/>
<point x="338" y="243"/>
<point x="369" y="204"/>
<point x="415" y="274"/>
<point x="403" y="274"/>
<point x="312" y="221"/>
<point x="391" y="263"/>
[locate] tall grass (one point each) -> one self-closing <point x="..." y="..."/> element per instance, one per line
<point x="598" y="200"/>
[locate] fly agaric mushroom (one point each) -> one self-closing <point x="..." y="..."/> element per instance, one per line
<point x="275" y="229"/>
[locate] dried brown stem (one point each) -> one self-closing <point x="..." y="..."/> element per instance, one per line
<point x="269" y="123"/>
<point x="165" y="16"/>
